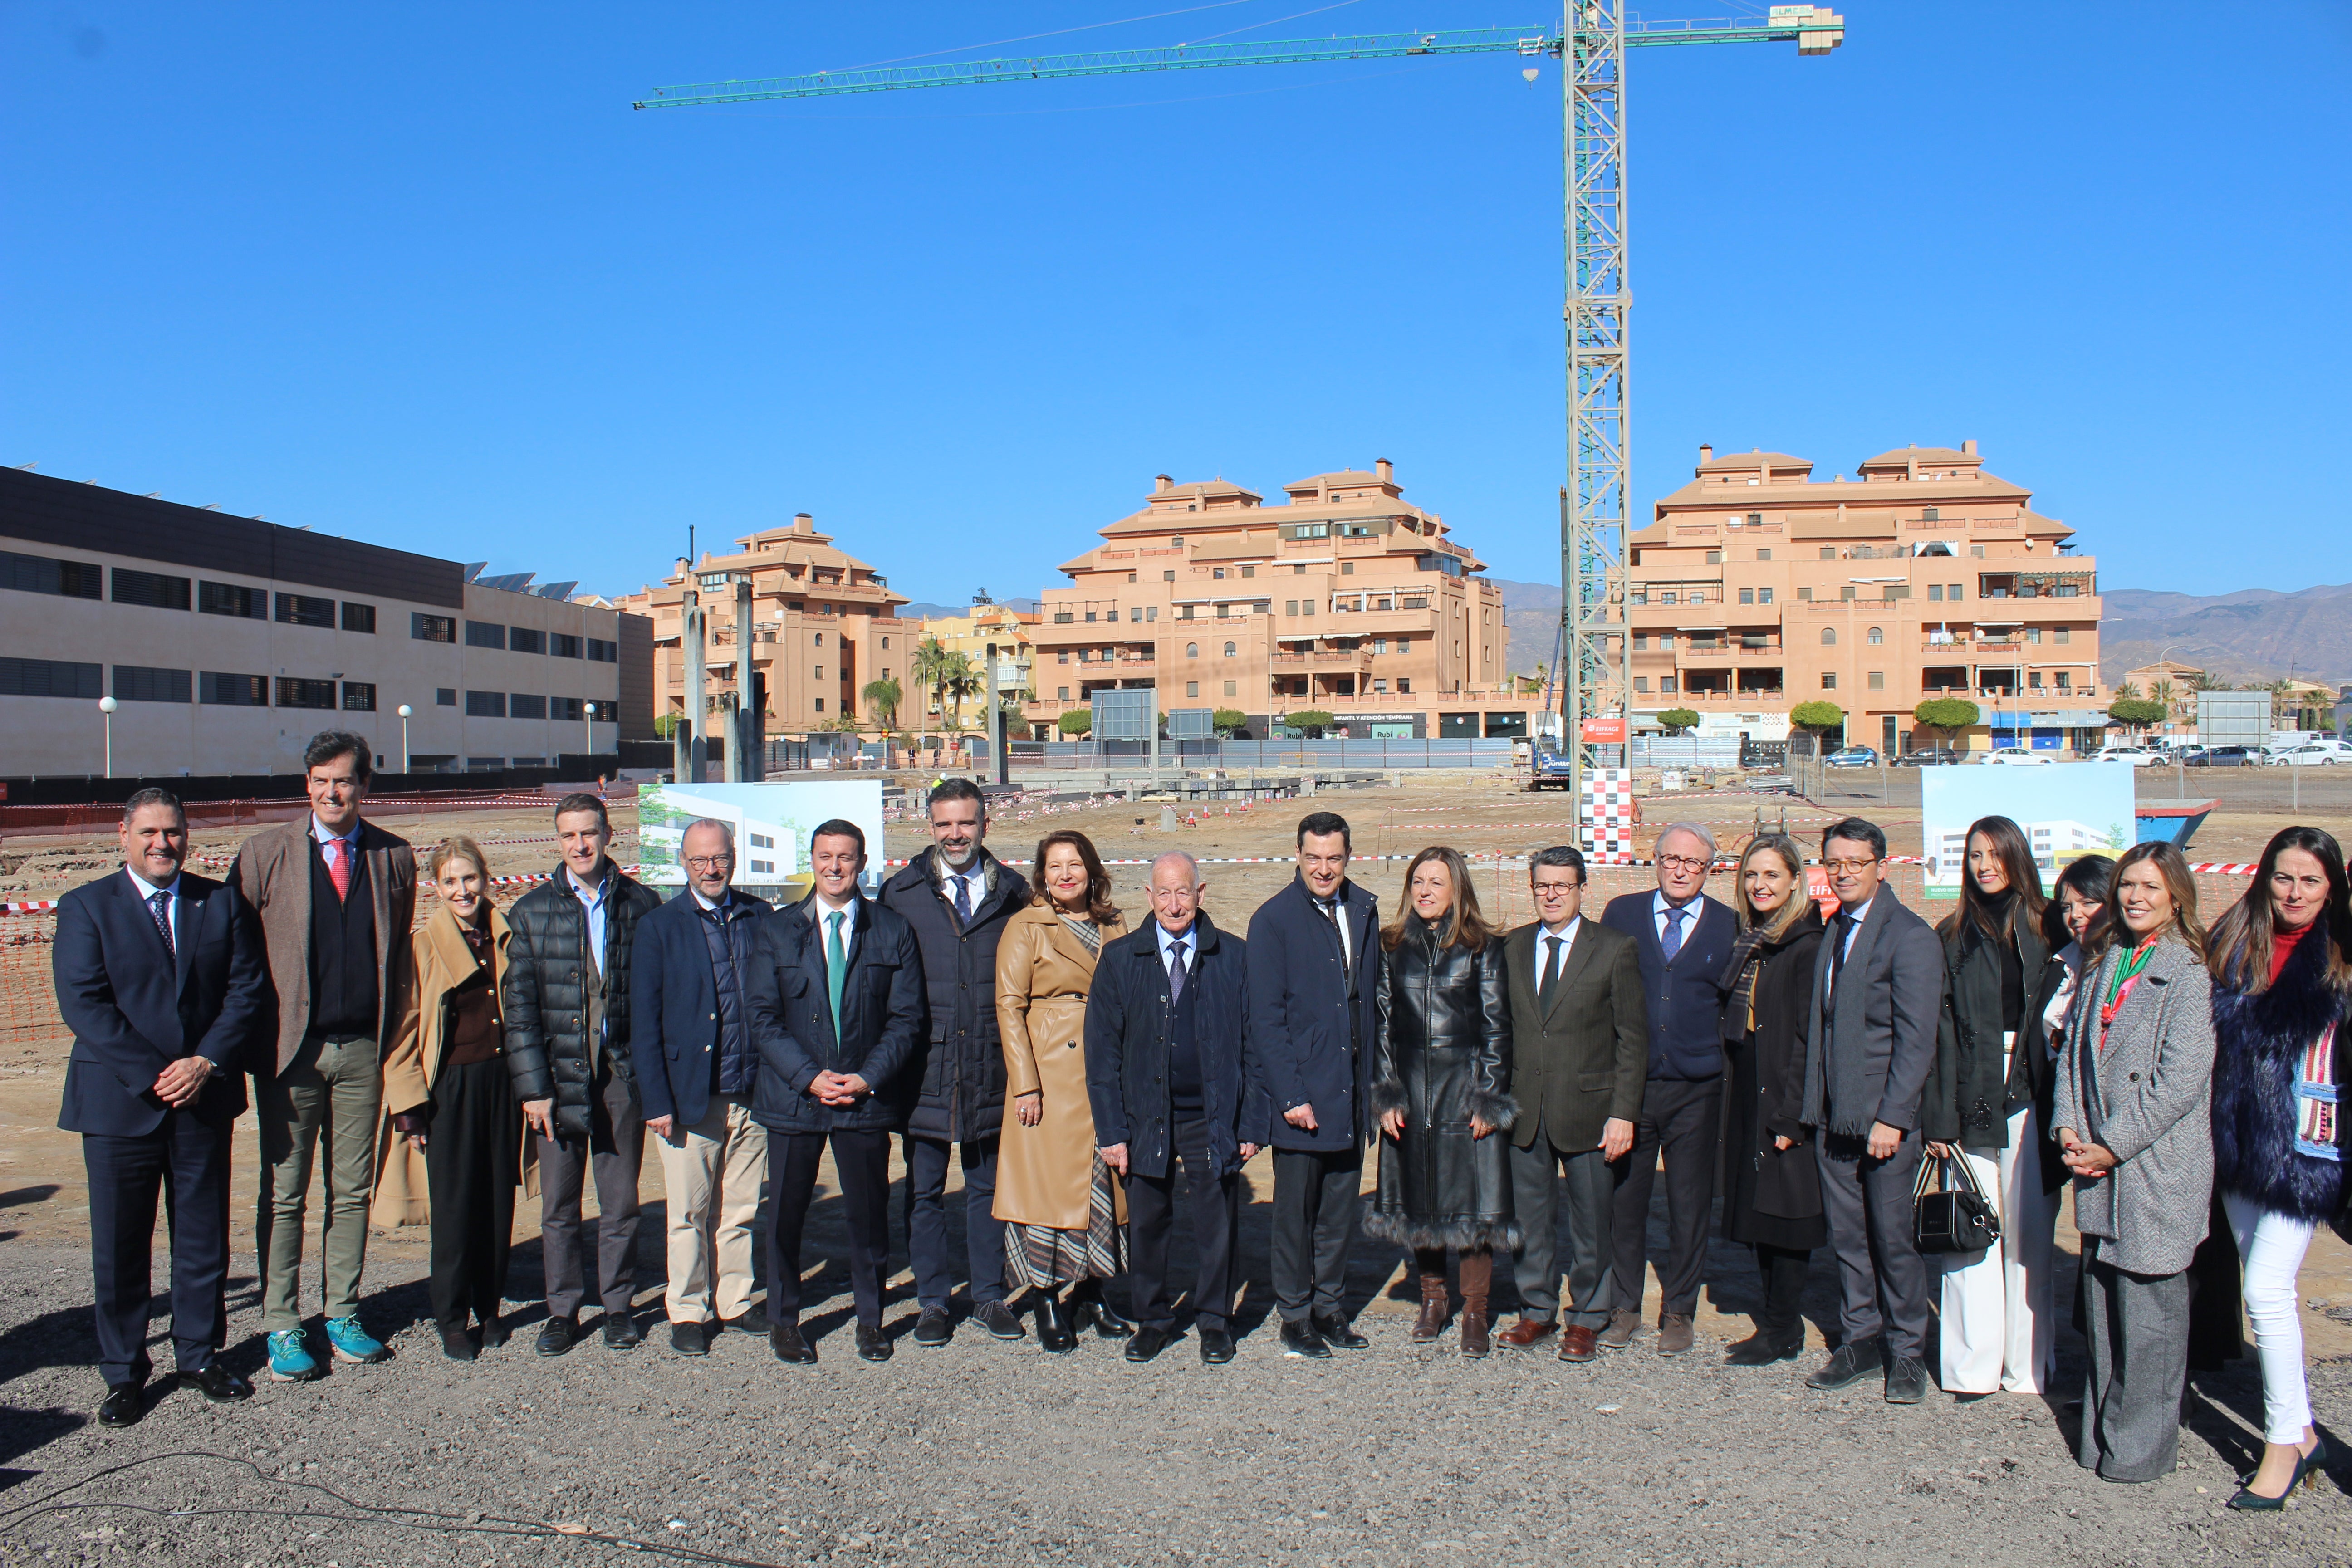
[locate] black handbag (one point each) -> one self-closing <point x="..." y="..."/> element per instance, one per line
<point x="1952" y="1220"/>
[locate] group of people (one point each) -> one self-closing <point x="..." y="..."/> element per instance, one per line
<point x="1071" y="1065"/>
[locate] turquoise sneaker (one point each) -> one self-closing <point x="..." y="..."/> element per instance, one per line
<point x="289" y="1358"/>
<point x="354" y="1343"/>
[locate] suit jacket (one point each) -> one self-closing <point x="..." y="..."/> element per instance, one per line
<point x="1311" y="1042"/>
<point x="792" y="1019"/>
<point x="1890" y="1001"/>
<point x="1681" y="997"/>
<point x="673" y="1009"/>
<point x="2146" y="1094"/>
<point x="1580" y="1059"/>
<point x="272" y="873"/>
<point x="134" y="1007"/>
<point x="1128" y="1020"/>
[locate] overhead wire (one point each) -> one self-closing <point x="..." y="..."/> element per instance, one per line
<point x="1055" y="33"/>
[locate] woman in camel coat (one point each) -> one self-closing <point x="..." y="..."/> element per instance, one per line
<point x="453" y="1148"/>
<point x="1066" y="1211"/>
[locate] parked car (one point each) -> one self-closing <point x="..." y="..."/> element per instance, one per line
<point x="1930" y="757"/>
<point x="2017" y="757"/>
<point x="1851" y="757"/>
<point x="2135" y="756"/>
<point x="2220" y="757"/>
<point x="2310" y="754"/>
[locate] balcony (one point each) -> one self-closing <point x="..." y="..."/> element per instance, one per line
<point x="1719" y="652"/>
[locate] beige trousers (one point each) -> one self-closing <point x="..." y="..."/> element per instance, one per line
<point x="715" y="1172"/>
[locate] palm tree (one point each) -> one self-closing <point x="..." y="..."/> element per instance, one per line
<point x="883" y="696"/>
<point x="959" y="681"/>
<point x="931" y="662"/>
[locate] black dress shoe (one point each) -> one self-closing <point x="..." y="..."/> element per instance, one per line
<point x="752" y="1320"/>
<point x="999" y="1319"/>
<point x="933" y="1328"/>
<point x="621" y="1331"/>
<point x="217" y="1384"/>
<point x="1300" y="1339"/>
<point x="1846" y="1363"/>
<point x="1054" y="1331"/>
<point x="124" y="1403"/>
<point x="1216" y="1347"/>
<point x="1907" y="1381"/>
<point x="1149" y="1342"/>
<point x="1760" y="1349"/>
<point x="873" y="1345"/>
<point x="1102" y="1317"/>
<point x="495" y="1332"/>
<point x="557" y="1335"/>
<point x="784" y="1339"/>
<point x="1337" y="1331"/>
<point x="457" y="1343"/>
<point x="689" y="1339"/>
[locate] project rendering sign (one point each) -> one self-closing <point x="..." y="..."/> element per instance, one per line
<point x="2067" y="810"/>
<point x="771" y="822"/>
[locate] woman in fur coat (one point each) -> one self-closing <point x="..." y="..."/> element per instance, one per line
<point x="1442" y="1087"/>
<point x="2282" y="991"/>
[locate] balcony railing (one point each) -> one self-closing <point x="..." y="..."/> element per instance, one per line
<point x="1736" y="650"/>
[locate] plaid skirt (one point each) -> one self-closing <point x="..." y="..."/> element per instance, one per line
<point x="1040" y="1257"/>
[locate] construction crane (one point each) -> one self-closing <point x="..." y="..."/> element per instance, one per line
<point x="1596" y="514"/>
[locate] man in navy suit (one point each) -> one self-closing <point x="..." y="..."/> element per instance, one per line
<point x="835" y="993"/>
<point x="159" y="975"/>
<point x="1684" y="939"/>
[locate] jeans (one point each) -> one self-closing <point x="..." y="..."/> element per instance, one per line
<point x="2272" y="1247"/>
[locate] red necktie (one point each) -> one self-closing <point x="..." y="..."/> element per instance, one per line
<point x="339" y="865"/>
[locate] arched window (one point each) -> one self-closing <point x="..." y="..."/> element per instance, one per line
<point x="1829" y="635"/>
<point x="1192" y="650"/>
<point x="1877" y="637"/>
<point x="1229" y="651"/>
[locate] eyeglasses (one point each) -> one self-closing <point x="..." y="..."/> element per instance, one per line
<point x="1849" y="868"/>
<point x="710" y="862"/>
<point x="1684" y="862"/>
<point x="1558" y="890"/>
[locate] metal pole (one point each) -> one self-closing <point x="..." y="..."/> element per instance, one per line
<point x="742" y="765"/>
<point x="697" y="698"/>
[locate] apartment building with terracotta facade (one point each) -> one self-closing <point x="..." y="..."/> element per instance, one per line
<point x="823" y="623"/>
<point x="1342" y="598"/>
<point x="1756" y="588"/>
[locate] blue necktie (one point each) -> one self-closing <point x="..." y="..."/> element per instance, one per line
<point x="160" y="903"/>
<point x="1672" y="943"/>
<point x="963" y="901"/>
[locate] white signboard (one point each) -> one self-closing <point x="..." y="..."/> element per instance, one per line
<point x="2067" y="810"/>
<point x="771" y="822"/>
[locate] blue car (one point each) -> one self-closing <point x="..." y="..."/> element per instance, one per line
<point x="1851" y="757"/>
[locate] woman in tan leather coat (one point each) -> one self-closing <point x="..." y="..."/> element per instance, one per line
<point x="1066" y="1212"/>
<point x="453" y="1148"/>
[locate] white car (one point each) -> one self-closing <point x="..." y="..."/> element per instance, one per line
<point x="2310" y="754"/>
<point x="2016" y="757"/>
<point x="2133" y="756"/>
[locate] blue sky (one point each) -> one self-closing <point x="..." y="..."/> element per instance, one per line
<point x="417" y="274"/>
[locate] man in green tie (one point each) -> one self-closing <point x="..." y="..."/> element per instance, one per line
<point x="835" y="996"/>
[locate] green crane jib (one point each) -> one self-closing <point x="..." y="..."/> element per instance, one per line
<point x="1594" y="664"/>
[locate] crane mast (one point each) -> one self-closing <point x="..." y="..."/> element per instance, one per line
<point x="1594" y="665"/>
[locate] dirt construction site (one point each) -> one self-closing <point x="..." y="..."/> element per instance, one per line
<point x="988" y="1452"/>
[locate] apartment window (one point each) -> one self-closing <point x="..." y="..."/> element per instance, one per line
<point x="1298" y="570"/>
<point x="1380" y="645"/>
<point x="1290" y="606"/>
<point x="1931" y="514"/>
<point x="1150" y="612"/>
<point x="1876" y="636"/>
<point x="423" y="627"/>
<point x="1185" y="612"/>
<point x="1640" y="642"/>
<point x="1090" y="615"/>
<point x="1829" y="680"/>
<point x="1715" y="557"/>
<point x="484" y="764"/>
<point x="1747" y="595"/>
<point x="1829" y="552"/>
<point x="2034" y="680"/>
<point x="1669" y="598"/>
<point x="358" y="696"/>
<point x="233" y="599"/>
<point x="563" y="645"/>
<point x="1665" y="642"/>
<point x="2063" y="635"/>
<point x="51" y="677"/>
<point x="1135" y="611"/>
<point x="1229" y="651"/>
<point x="1192" y="689"/>
<point x="1696" y="597"/>
<point x="305" y="610"/>
<point x="1977" y="551"/>
<point x="1230" y="686"/>
<point x="233" y="690"/>
<point x="816" y="672"/>
<point x="525" y="640"/>
<point x="521" y="706"/>
<point x="1061" y="694"/>
<point x="2034" y="634"/>
<point x="358" y="618"/>
<point x="566" y="709"/>
<point x="1130" y="576"/>
<point x="1642" y="683"/>
<point x="820" y="704"/>
<point x="1763" y="595"/>
<point x="1953" y="592"/>
<point x="1763" y="555"/>
<point x="1804" y="595"/>
<point x="1249" y="571"/>
<point x="137" y="683"/>
<point x="1168" y="577"/>
<point x="445" y="697"/>
<point x="1218" y="572"/>
<point x="1086" y="656"/>
<point x="1755" y="519"/>
<point x="40" y="574"/>
<point x="1829" y="636"/>
<point x="293" y="691"/>
<point x="1347" y="568"/>
<point x="1404" y="687"/>
<point x="486" y="704"/>
<point x="1878" y="680"/>
<point x="2066" y="680"/>
<point x="153" y="589"/>
<point x="1192" y="650"/>
<point x="1935" y="592"/>
<point x="1845" y="590"/>
<point x="485" y="633"/>
<point x="1175" y="541"/>
<point x="1665" y="686"/>
<point x="1062" y="617"/>
<point x="603" y="711"/>
<point x="886" y="648"/>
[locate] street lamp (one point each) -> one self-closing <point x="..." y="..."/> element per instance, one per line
<point x="106" y="706"/>
<point x="404" y="711"/>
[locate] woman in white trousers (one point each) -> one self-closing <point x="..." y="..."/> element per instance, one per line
<point x="2282" y="993"/>
<point x="1988" y="1105"/>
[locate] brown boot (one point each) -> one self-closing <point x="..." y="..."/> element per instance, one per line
<point x="1474" y="1331"/>
<point x="1477" y="1273"/>
<point x="1434" y="1302"/>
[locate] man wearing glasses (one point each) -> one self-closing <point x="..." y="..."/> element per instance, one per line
<point x="1685" y="939"/>
<point x="1870" y="1042"/>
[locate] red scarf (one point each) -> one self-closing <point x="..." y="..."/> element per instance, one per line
<point x="2283" y="944"/>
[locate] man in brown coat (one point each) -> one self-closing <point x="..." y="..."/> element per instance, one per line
<point x="336" y="897"/>
<point x="1579" y="1049"/>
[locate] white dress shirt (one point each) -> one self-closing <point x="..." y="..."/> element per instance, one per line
<point x="591" y="899"/>
<point x="1553" y="947"/>
<point x="973" y="877"/>
<point x="1190" y="938"/>
<point x="147" y="892"/>
<point x="1339" y="917"/>
<point x="822" y="913"/>
<point x="1660" y="904"/>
